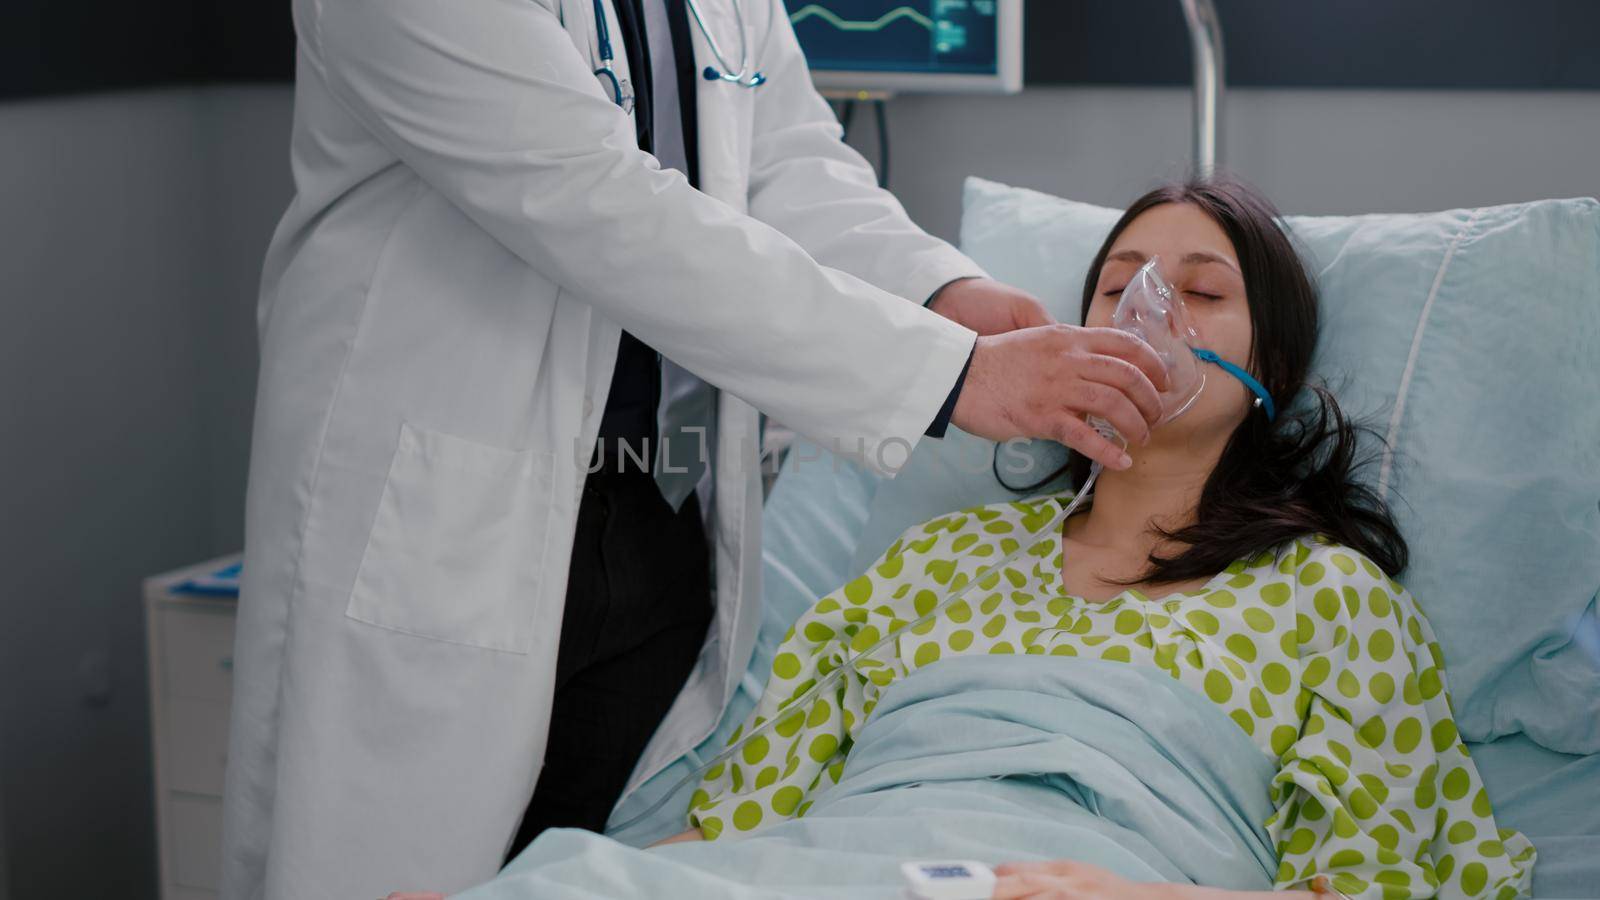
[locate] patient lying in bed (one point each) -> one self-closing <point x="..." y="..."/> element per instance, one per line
<point x="1207" y="683"/>
<point x="1239" y="557"/>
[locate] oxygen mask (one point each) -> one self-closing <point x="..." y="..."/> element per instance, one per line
<point x="1152" y="311"/>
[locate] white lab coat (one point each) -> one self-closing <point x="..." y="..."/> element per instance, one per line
<point x="439" y="320"/>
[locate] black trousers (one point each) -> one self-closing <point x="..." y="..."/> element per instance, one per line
<point x="637" y="608"/>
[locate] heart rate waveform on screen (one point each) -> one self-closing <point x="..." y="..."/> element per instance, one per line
<point x="955" y="36"/>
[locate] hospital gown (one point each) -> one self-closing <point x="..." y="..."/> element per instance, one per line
<point x="1326" y="663"/>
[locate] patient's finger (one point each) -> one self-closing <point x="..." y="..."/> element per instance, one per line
<point x="1050" y="868"/>
<point x="1024" y="867"/>
<point x="1114" y="342"/>
<point x="1008" y="888"/>
<point x="1032" y="886"/>
<point x="1110" y="404"/>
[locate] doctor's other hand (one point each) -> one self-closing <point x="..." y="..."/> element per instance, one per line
<point x="988" y="306"/>
<point x="1042" y="382"/>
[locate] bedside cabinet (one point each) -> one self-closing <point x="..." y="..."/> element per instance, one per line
<point x="191" y="688"/>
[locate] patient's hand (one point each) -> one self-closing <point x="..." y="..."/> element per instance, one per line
<point x="989" y="307"/>
<point x="1067" y="880"/>
<point x="693" y="834"/>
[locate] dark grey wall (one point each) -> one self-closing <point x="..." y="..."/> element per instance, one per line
<point x="101" y="231"/>
<point x="1314" y="152"/>
<point x="47" y="46"/>
<point x="131" y="229"/>
<point x="247" y="145"/>
<point x="1393" y="44"/>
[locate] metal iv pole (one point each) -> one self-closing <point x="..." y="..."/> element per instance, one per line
<point x="1205" y="42"/>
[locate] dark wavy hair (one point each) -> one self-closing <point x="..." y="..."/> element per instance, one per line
<point x="1274" y="481"/>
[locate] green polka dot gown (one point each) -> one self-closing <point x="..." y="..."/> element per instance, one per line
<point x="1327" y="665"/>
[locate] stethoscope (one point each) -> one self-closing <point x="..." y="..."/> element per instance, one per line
<point x="744" y="75"/>
<point x="748" y="74"/>
<point x="606" y="73"/>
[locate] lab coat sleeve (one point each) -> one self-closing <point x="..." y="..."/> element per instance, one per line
<point x="811" y="185"/>
<point x="492" y="104"/>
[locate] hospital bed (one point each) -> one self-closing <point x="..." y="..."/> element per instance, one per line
<point x="1472" y="339"/>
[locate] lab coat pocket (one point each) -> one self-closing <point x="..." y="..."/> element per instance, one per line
<point x="457" y="547"/>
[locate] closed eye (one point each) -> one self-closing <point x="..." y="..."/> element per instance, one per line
<point x="1204" y="295"/>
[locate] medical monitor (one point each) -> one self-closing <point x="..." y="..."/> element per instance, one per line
<point x="896" y="46"/>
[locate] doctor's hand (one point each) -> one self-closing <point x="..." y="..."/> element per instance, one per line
<point x="1042" y="382"/>
<point x="988" y="307"/>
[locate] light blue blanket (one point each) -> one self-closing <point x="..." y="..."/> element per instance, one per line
<point x="988" y="758"/>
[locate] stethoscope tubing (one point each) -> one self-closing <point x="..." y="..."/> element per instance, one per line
<point x="602" y="39"/>
<point x="744" y="75"/>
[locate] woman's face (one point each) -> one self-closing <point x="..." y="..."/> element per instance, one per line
<point x="1198" y="260"/>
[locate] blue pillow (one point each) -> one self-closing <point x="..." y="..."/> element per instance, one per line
<point x="1474" y="337"/>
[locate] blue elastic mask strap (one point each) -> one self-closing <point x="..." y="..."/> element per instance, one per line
<point x="1245" y="378"/>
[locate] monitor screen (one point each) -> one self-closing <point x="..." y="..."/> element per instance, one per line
<point x="911" y="44"/>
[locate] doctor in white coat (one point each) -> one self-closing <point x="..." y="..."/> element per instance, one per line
<point x="474" y="225"/>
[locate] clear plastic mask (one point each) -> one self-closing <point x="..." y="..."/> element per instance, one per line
<point x="1152" y="311"/>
